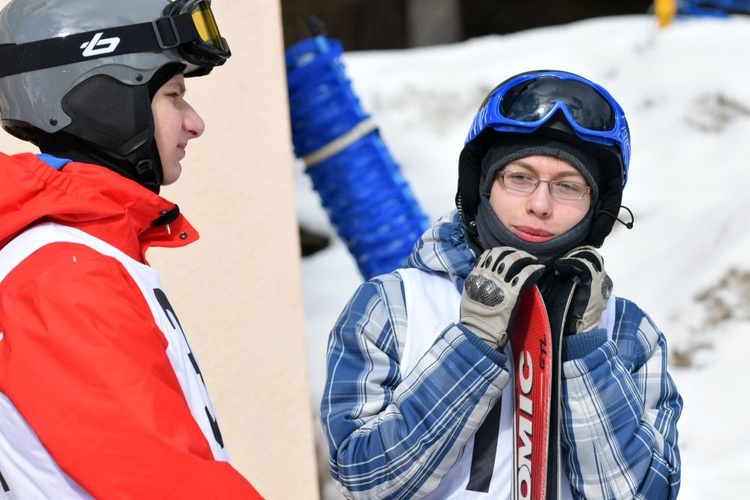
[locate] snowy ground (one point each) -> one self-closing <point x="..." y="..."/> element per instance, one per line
<point x="687" y="261"/>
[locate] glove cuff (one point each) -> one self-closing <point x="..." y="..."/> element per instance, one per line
<point x="496" y="355"/>
<point x="582" y="344"/>
<point x="482" y="330"/>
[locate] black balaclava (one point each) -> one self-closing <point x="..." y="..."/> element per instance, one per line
<point x="493" y="233"/>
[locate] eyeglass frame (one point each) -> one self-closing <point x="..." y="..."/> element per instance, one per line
<point x="550" y="184"/>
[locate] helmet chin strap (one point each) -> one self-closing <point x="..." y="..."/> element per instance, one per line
<point x="148" y="175"/>
<point x="143" y="154"/>
<point x="145" y="172"/>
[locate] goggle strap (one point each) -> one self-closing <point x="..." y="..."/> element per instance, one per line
<point x="166" y="33"/>
<point x="174" y="31"/>
<point x="109" y="42"/>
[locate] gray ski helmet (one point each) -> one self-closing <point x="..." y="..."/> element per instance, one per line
<point x="82" y="72"/>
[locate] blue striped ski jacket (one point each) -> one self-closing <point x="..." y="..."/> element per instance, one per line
<point x="404" y="434"/>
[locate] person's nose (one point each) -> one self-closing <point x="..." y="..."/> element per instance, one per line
<point x="193" y="123"/>
<point x="540" y="201"/>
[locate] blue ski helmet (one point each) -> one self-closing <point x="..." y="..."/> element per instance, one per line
<point x="561" y="106"/>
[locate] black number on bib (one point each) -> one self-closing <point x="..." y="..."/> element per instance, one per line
<point x="167" y="308"/>
<point x="3" y="484"/>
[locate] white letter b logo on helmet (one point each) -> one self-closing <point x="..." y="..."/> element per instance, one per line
<point x="98" y="46"/>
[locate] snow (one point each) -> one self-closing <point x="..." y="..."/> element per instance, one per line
<point x="686" y="261"/>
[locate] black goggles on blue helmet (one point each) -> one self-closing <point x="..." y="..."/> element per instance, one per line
<point x="187" y="26"/>
<point x="528" y="101"/>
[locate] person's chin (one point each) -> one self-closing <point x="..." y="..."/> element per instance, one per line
<point x="171" y="174"/>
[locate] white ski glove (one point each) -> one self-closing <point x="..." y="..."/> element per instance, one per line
<point x="585" y="265"/>
<point x="492" y="289"/>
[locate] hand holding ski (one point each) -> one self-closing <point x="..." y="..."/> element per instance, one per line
<point x="594" y="286"/>
<point x="492" y="290"/>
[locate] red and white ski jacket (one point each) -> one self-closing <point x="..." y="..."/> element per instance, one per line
<point x="100" y="393"/>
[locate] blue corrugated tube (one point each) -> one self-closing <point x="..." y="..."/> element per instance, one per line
<point x="360" y="185"/>
<point x="712" y="8"/>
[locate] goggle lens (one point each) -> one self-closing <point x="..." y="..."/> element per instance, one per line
<point x="534" y="100"/>
<point x="205" y="24"/>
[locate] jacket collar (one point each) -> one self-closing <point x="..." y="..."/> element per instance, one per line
<point x="91" y="198"/>
<point x="443" y="249"/>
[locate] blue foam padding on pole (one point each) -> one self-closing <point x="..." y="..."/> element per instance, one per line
<point x="712" y="8"/>
<point x="361" y="187"/>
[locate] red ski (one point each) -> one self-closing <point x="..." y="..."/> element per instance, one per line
<point x="536" y="347"/>
<point x="530" y="338"/>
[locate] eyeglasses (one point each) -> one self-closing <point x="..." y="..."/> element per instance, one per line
<point x="187" y="26"/>
<point x="527" y="101"/>
<point x="525" y="183"/>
